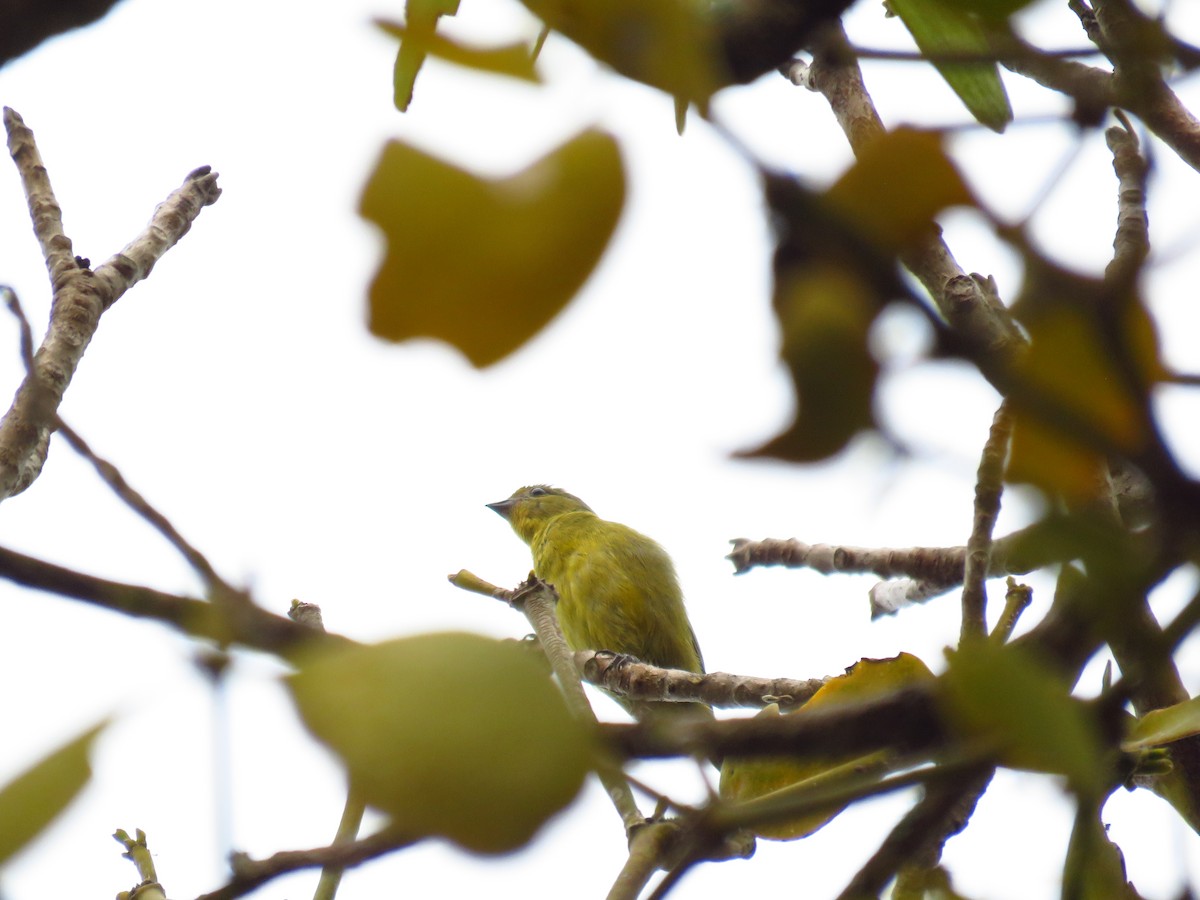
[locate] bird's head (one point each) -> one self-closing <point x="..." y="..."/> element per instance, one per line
<point x="530" y="508"/>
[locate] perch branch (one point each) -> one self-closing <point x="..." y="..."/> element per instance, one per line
<point x="536" y="600"/>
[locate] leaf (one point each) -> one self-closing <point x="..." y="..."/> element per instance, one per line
<point x="422" y="17"/>
<point x="1002" y="696"/>
<point x="825" y="313"/>
<point x="33" y="799"/>
<point x="1164" y="726"/>
<point x="899" y="183"/>
<point x="1095" y="868"/>
<point x="943" y="29"/>
<point x="668" y="44"/>
<point x="452" y="734"/>
<point x="485" y="264"/>
<point x="513" y="60"/>
<point x="782" y="779"/>
<point x="992" y="10"/>
<point x="915" y="882"/>
<point x="1080" y="388"/>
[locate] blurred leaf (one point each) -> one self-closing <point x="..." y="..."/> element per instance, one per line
<point x="943" y="30"/>
<point x="1002" y="696"/>
<point x="994" y="10"/>
<point x="421" y="17"/>
<point x="1163" y="726"/>
<point x="826" y="314"/>
<point x="669" y="44"/>
<point x="921" y="883"/>
<point x="1080" y="381"/>
<point x="451" y="734"/>
<point x="1095" y="868"/>
<point x="899" y="183"/>
<point x="33" y="799"/>
<point x="743" y="780"/>
<point x="513" y="59"/>
<point x="485" y="264"/>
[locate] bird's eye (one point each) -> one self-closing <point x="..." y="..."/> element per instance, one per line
<point x="537" y="492"/>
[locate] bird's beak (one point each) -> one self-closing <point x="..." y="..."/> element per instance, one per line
<point x="502" y="507"/>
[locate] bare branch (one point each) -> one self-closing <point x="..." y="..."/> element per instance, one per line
<point x="250" y="874"/>
<point x="982" y="328"/>
<point x="989" y="484"/>
<point x="80" y="297"/>
<point x="244" y="624"/>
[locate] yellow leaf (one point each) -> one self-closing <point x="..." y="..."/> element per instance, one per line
<point x="513" y="60"/>
<point x="34" y="798"/>
<point x="669" y="44"/>
<point x="451" y="734"/>
<point x="825" y="312"/>
<point x="784" y="779"/>
<point x="485" y="264"/>
<point x="897" y="186"/>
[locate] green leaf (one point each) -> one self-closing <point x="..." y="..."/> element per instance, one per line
<point x="452" y="734"/>
<point x="1095" y="868"/>
<point x="669" y="44"/>
<point x="484" y="264"/>
<point x="943" y="30"/>
<point x="513" y="60"/>
<point x="1164" y="726"/>
<point x="422" y="17"/>
<point x="1006" y="699"/>
<point x="33" y="799"/>
<point x="992" y="10"/>
<point x="915" y="882"/>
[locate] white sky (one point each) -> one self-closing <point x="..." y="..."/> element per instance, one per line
<point x="239" y="391"/>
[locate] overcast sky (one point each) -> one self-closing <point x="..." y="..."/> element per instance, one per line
<point x="238" y="389"/>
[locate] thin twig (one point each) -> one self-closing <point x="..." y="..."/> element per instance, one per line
<point x="1016" y="600"/>
<point x="112" y="476"/>
<point x="989" y="484"/>
<point x="248" y="874"/>
<point x="918" y="838"/>
<point x="246" y="624"/>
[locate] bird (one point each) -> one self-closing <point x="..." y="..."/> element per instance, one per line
<point x="617" y="589"/>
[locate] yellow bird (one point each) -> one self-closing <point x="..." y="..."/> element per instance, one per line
<point x="617" y="589"/>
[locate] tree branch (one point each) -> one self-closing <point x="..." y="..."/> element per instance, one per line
<point x="989" y="483"/>
<point x="250" y="874"/>
<point x="80" y="297"/>
<point x="244" y="624"/>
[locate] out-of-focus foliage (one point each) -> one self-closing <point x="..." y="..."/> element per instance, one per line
<point x="750" y="779"/>
<point x="513" y="60"/>
<point x="835" y="270"/>
<point x="33" y="799"/>
<point x="484" y="264"/>
<point x="1004" y="699"/>
<point x="451" y="734"/>
<point x="669" y="44"/>
<point x="421" y="17"/>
